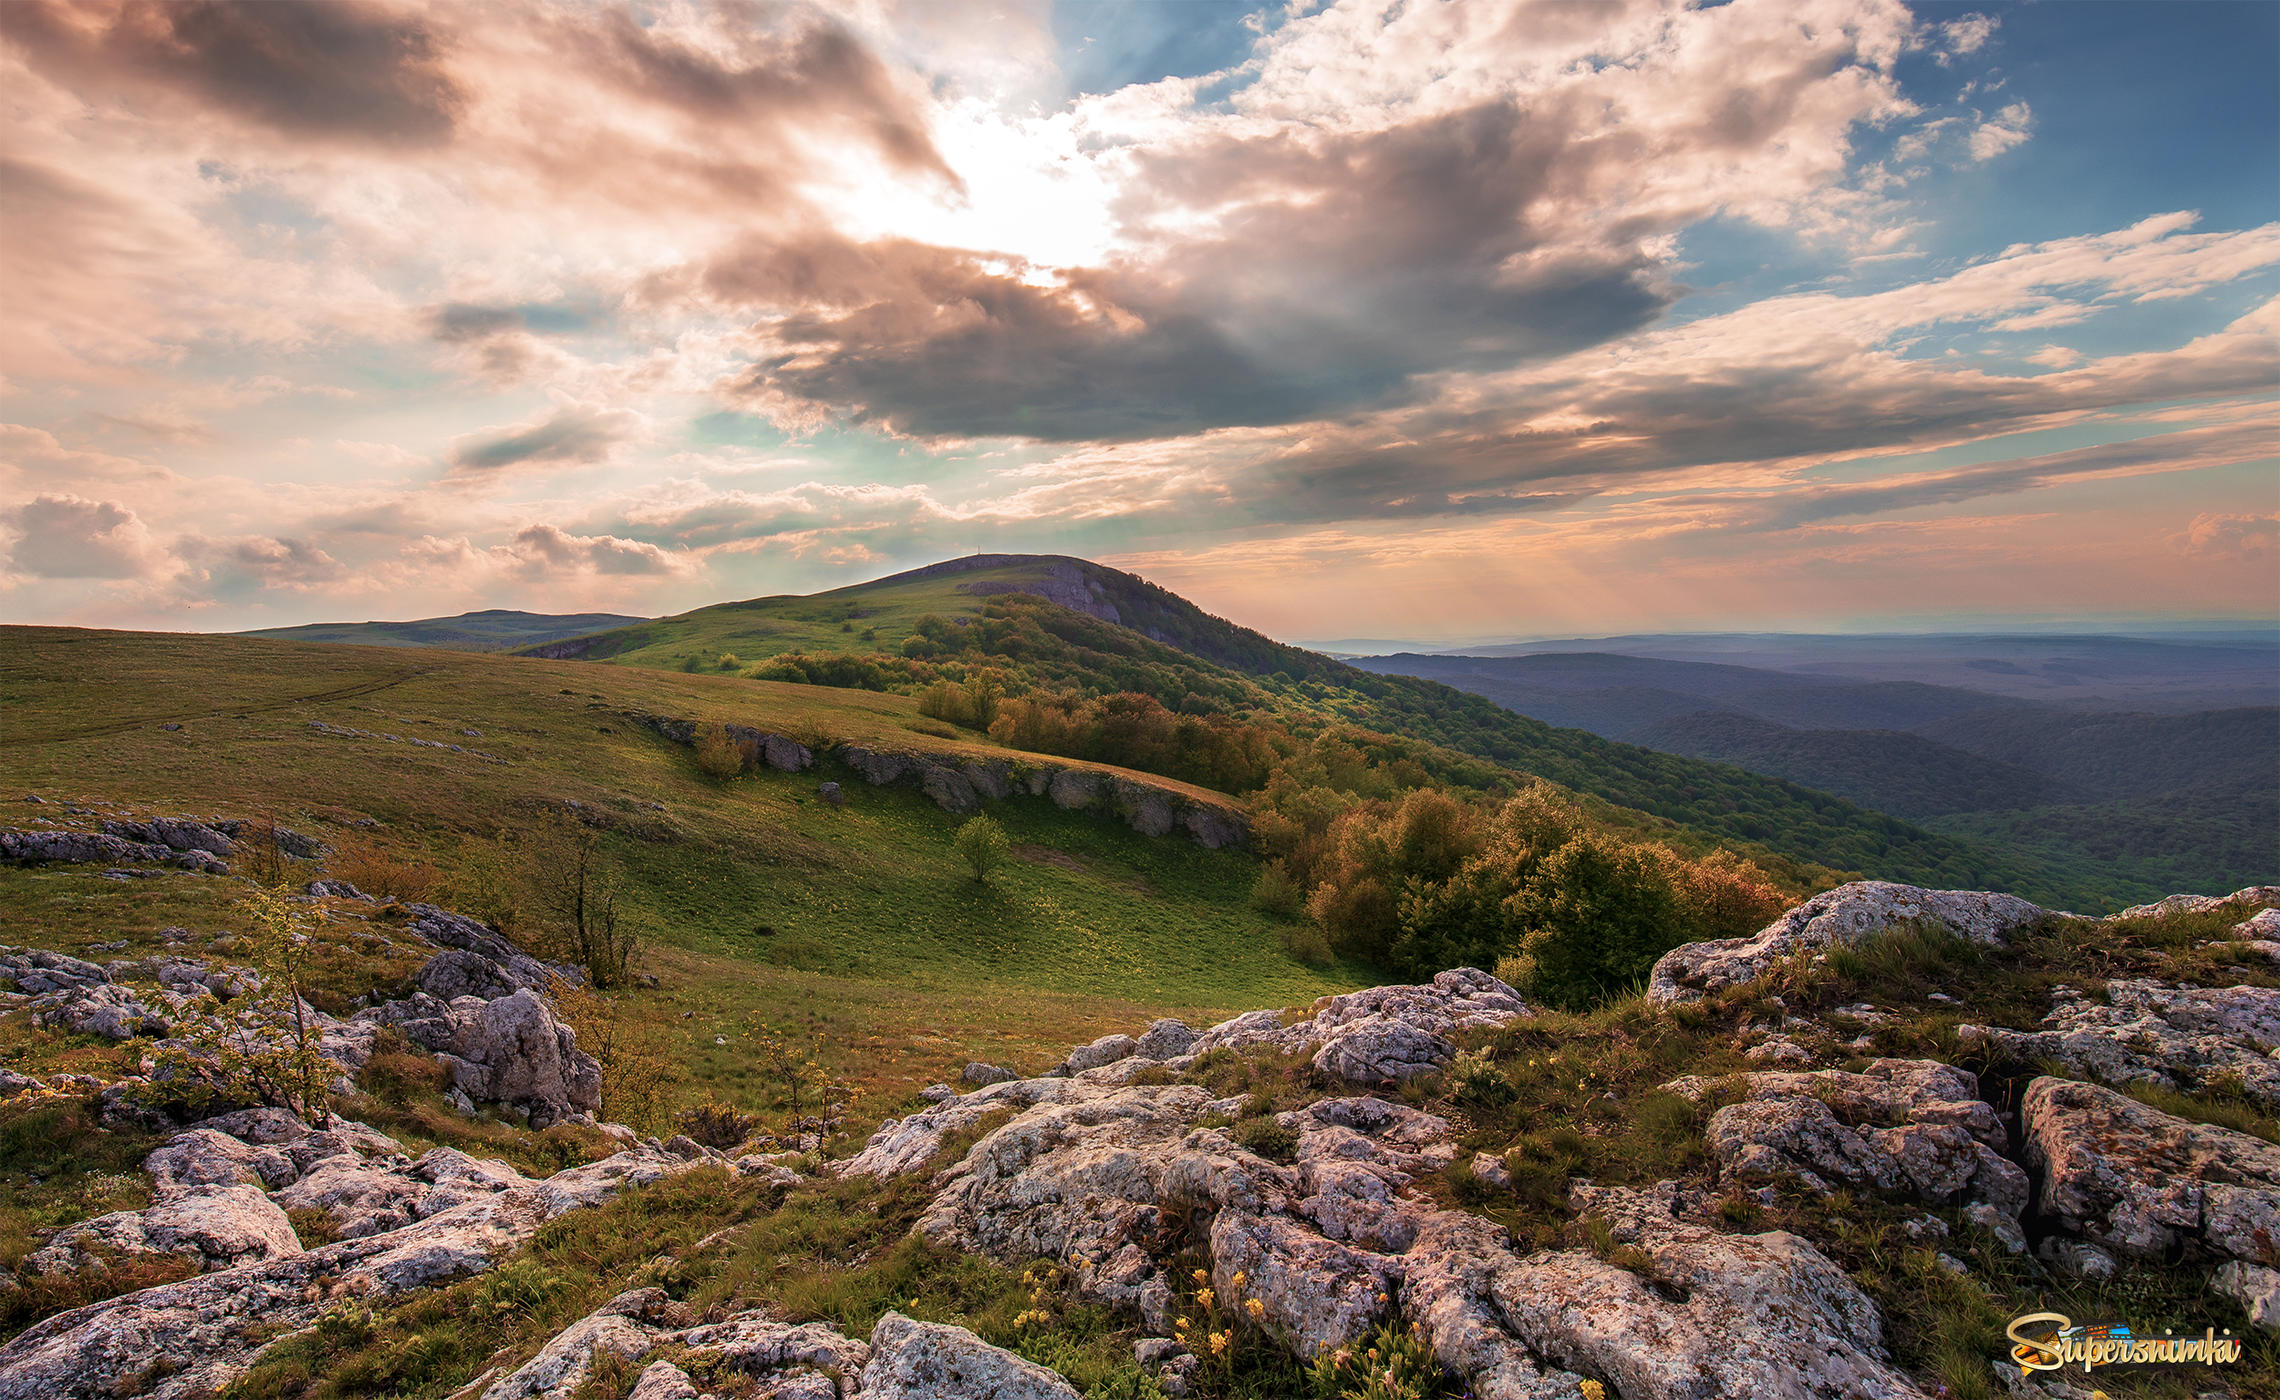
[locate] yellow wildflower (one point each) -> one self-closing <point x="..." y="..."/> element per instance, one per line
<point x="1219" y="1342"/>
<point x="1255" y="1308"/>
<point x="1204" y="1296"/>
<point x="1592" y="1390"/>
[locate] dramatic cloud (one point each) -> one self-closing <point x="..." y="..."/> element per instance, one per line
<point x="325" y="69"/>
<point x="643" y="303"/>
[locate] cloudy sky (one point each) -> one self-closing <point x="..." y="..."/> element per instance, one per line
<point x="1392" y="318"/>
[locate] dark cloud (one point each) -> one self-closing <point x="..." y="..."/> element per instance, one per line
<point x="1354" y="265"/>
<point x="332" y="69"/>
<point x="568" y="438"/>
<point x="814" y="72"/>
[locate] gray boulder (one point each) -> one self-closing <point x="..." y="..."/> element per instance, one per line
<point x="1165" y="1040"/>
<point x="1105" y="1051"/>
<point x="215" y="1227"/>
<point x="928" y="1361"/>
<point x="36" y="971"/>
<point x="566" y="1362"/>
<point x="511" y="1051"/>
<point x="1844" y="915"/>
<point x="176" y="834"/>
<point x="113" y="1012"/>
<point x="1911" y="1128"/>
<point x="457" y="972"/>
<point x="2147" y="1185"/>
<point x="2267" y="896"/>
<point x="978" y="1074"/>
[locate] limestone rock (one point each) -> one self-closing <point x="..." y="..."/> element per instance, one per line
<point x="2267" y="896"/>
<point x="2177" y="1037"/>
<point x="1844" y="915"/>
<point x="1104" y="1051"/>
<point x="36" y="970"/>
<point x="1390" y="1034"/>
<point x="218" y="1227"/>
<point x="203" y="1157"/>
<point x="978" y="1074"/>
<point x="1165" y="1040"/>
<point x="511" y="1051"/>
<point x="104" y="1009"/>
<point x="2255" y="1288"/>
<point x="2262" y="926"/>
<point x="662" y="1380"/>
<point x="456" y="972"/>
<point x="788" y="1361"/>
<point x="2145" y="1184"/>
<point x="928" y="1361"/>
<point x="565" y="1362"/>
<point x="1317" y="1293"/>
<point x="1714" y="1315"/>
<point x="212" y="1325"/>
<point x="1915" y="1128"/>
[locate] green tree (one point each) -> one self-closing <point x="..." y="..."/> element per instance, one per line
<point x="1600" y="913"/>
<point x="983" y="845"/>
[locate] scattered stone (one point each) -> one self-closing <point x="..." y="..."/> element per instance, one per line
<point x="115" y="1013"/>
<point x="981" y="1075"/>
<point x="1489" y="1167"/>
<point x="563" y="1365"/>
<point x="1844" y="915"/>
<point x="35" y="970"/>
<point x="1165" y="1040"/>
<point x="831" y="794"/>
<point x="1105" y="1051"/>
<point x="937" y="1093"/>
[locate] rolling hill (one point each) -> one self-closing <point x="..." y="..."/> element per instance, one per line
<point x="493" y="629"/>
<point x="1051" y="623"/>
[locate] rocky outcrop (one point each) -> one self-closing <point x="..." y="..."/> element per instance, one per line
<point x="209" y="1327"/>
<point x="1844" y="915"/>
<point x="113" y="1012"/>
<point x="2184" y="1038"/>
<point x="961" y="786"/>
<point x="35" y="971"/>
<point x="617" y="1328"/>
<point x="1911" y="1128"/>
<point x="518" y="969"/>
<point x="1383" y="1035"/>
<point x="88" y="848"/>
<point x="511" y="1051"/>
<point x="2265" y="896"/>
<point x="2144" y="1184"/>
<point x="456" y="973"/>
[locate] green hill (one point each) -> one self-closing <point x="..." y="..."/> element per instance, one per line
<point x="1062" y="626"/>
<point x="493" y="629"/>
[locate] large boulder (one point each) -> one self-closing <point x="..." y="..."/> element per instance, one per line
<point x="1386" y="1035"/>
<point x="448" y="930"/>
<point x="457" y="972"/>
<point x="90" y="847"/>
<point x="929" y="1361"/>
<point x="2146" y="1032"/>
<point x="215" y="1227"/>
<point x="566" y="1362"/>
<point x="2147" y="1185"/>
<point x="1706" y="1314"/>
<point x="1844" y="915"/>
<point x="2264" y="896"/>
<point x="176" y="834"/>
<point x="511" y="1051"/>
<point x="1912" y="1128"/>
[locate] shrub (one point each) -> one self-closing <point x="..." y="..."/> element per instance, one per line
<point x="571" y="890"/>
<point x="1274" y="892"/>
<point x="1602" y="912"/>
<point x="720" y="755"/>
<point x="716" y="1124"/>
<point x="982" y="843"/>
<point x="637" y="1072"/>
<point x="1267" y="1138"/>
<point x="1305" y="943"/>
<point x="375" y="872"/>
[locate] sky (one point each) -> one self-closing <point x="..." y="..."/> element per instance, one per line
<point x="1390" y="318"/>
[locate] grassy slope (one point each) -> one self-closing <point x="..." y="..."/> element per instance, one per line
<point x="495" y="629"/>
<point x="881" y="943"/>
<point x="1716" y="799"/>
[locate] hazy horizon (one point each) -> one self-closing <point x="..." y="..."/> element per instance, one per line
<point x="1348" y="320"/>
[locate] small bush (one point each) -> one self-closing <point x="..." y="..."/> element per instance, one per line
<point x="720" y="756"/>
<point x="376" y="872"/>
<point x="1267" y="1138"/>
<point x="1305" y="943"/>
<point x="1275" y="892"/>
<point x="717" y="1124"/>
<point x="983" y="844"/>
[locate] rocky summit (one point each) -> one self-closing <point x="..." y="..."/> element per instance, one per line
<point x="1325" y="1194"/>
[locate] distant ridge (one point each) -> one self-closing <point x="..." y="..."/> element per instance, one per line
<point x="492" y="629"/>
